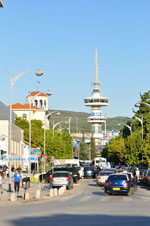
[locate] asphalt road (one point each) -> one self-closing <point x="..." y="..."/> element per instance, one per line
<point x="87" y="205"/>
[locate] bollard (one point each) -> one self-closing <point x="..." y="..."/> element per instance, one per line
<point x="27" y="196"/>
<point x="51" y="193"/>
<point x="64" y="188"/>
<point x="38" y="194"/>
<point x="55" y="192"/>
<point x="59" y="191"/>
<point x="13" y="197"/>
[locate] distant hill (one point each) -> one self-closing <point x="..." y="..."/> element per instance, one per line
<point x="79" y="121"/>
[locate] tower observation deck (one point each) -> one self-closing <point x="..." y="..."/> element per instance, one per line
<point x="96" y="101"/>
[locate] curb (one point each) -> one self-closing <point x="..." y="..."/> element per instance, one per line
<point x="42" y="199"/>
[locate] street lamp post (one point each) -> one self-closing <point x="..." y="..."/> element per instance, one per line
<point x="129" y="127"/>
<point x="46" y="117"/>
<point x="30" y="103"/>
<point x="12" y="82"/>
<point x="141" y="122"/>
<point x="54" y="125"/>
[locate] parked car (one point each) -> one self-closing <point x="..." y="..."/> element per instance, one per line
<point x="74" y="171"/>
<point x="102" y="177"/>
<point x="113" y="170"/>
<point x="147" y="179"/>
<point x="144" y="177"/>
<point x="61" y="178"/>
<point x="133" y="181"/>
<point x="89" y="172"/>
<point x="118" y="184"/>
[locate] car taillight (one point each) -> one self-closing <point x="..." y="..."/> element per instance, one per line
<point x="98" y="177"/>
<point x="68" y="178"/>
<point x="51" y="178"/>
<point x="125" y="183"/>
<point x="106" y="183"/>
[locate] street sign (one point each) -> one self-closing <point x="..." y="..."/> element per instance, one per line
<point x="52" y="158"/>
<point x="42" y="160"/>
<point x="44" y="156"/>
<point x="37" y="153"/>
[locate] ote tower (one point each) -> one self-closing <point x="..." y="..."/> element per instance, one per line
<point x="96" y="101"/>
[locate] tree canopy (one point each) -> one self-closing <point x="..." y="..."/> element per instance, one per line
<point x="133" y="148"/>
<point x="59" y="145"/>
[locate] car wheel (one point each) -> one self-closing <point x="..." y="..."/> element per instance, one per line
<point x="69" y="187"/>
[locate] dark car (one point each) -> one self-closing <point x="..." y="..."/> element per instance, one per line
<point x="118" y="184"/>
<point x="89" y="172"/>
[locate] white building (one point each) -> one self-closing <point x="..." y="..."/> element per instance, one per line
<point x="96" y="101"/>
<point x="38" y="108"/>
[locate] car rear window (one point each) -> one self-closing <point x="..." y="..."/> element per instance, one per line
<point x="117" y="177"/>
<point x="105" y="173"/>
<point x="89" y="168"/>
<point x="60" y="175"/>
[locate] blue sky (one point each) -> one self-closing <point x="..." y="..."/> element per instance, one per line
<point x="60" y="38"/>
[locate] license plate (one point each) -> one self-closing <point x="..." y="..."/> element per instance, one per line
<point x="116" y="189"/>
<point x="59" y="180"/>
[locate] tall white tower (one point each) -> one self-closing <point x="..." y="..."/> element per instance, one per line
<point x="96" y="101"/>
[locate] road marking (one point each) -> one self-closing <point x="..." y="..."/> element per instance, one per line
<point x="85" y="198"/>
<point x="127" y="199"/>
<point x="65" y="198"/>
<point x="144" y="198"/>
<point x="105" y="199"/>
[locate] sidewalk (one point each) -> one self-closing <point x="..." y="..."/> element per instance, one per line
<point x="5" y="197"/>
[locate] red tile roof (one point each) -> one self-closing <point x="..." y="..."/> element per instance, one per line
<point x="36" y="92"/>
<point x="21" y="106"/>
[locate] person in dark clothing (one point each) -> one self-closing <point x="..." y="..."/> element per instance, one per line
<point x="12" y="168"/>
<point x="19" y="169"/>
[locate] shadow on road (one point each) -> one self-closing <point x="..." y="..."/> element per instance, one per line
<point x="81" y="220"/>
<point x="93" y="185"/>
<point x="100" y="193"/>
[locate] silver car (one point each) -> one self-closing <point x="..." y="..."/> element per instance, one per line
<point x="102" y="177"/>
<point x="61" y="178"/>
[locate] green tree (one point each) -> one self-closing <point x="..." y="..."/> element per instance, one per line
<point x="93" y="149"/>
<point x="114" y="151"/>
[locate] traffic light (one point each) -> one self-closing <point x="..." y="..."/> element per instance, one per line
<point x="2" y="154"/>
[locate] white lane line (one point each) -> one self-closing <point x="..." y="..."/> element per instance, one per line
<point x="144" y="198"/>
<point x="86" y="198"/>
<point x="105" y="199"/>
<point x="127" y="199"/>
<point x="65" y="198"/>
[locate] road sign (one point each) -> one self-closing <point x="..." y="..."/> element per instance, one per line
<point x="52" y="158"/>
<point x="37" y="153"/>
<point x="44" y="156"/>
<point x="42" y="160"/>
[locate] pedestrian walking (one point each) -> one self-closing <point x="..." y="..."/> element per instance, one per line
<point x="19" y="169"/>
<point x="1" y="179"/>
<point x="17" y="180"/>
